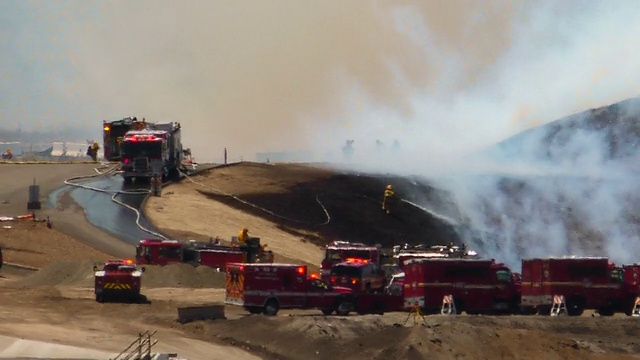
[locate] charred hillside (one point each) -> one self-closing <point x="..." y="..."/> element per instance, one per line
<point x="352" y="203"/>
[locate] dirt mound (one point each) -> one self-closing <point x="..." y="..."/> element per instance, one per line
<point x="81" y="274"/>
<point x="77" y="273"/>
<point x="468" y="337"/>
<point x="182" y="275"/>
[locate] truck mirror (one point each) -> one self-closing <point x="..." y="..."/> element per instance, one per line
<point x="95" y="268"/>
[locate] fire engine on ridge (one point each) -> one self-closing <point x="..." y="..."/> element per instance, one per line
<point x="163" y="252"/>
<point x="118" y="279"/>
<point x="267" y="288"/>
<point x="579" y="283"/>
<point x="476" y="286"/>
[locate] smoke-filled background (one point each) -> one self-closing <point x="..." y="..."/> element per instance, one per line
<point x="446" y="79"/>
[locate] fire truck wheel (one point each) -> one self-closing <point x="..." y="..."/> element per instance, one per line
<point x="344" y="307"/>
<point x="327" y="311"/>
<point x="271" y="307"/>
<point x="255" y="309"/>
<point x="99" y="298"/>
<point x="575" y="306"/>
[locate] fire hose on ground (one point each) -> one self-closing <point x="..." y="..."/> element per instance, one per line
<point x="224" y="193"/>
<point x="112" y="171"/>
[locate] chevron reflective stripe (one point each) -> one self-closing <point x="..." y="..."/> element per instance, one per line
<point x="116" y="286"/>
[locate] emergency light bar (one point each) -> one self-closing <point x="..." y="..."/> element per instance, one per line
<point x="135" y="138"/>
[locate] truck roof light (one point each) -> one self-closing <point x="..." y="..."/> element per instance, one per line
<point x="128" y="261"/>
<point x="107" y="128"/>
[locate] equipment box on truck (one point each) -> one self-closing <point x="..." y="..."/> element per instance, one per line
<point x="581" y="283"/>
<point x="477" y="286"/>
<point x="267" y="288"/>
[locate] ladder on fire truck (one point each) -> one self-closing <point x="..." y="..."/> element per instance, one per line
<point x="636" y="307"/>
<point x="559" y="307"/>
<point x="448" y="306"/>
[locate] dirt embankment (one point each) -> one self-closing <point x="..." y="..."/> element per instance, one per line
<point x="439" y="337"/>
<point x="295" y="209"/>
<point x="80" y="274"/>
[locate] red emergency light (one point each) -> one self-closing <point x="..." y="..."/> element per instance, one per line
<point x="302" y="270"/>
<point x="314" y="276"/>
<point x="135" y="138"/>
<point x="357" y="260"/>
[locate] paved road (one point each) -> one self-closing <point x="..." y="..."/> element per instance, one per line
<point x="15" y="348"/>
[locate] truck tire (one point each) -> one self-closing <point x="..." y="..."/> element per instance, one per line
<point x="255" y="309"/>
<point x="99" y="298"/>
<point x="327" y="312"/>
<point x="344" y="308"/>
<point x="575" y="306"/>
<point x="271" y="307"/>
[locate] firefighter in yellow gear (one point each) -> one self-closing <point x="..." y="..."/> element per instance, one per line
<point x="94" y="151"/>
<point x="243" y="236"/>
<point x="388" y="195"/>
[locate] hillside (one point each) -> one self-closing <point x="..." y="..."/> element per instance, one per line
<point x="305" y="204"/>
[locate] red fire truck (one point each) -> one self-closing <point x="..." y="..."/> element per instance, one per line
<point x="163" y="252"/>
<point x="339" y="251"/>
<point x="477" y="286"/>
<point x="146" y="153"/>
<point x="583" y="282"/>
<point x="113" y="134"/>
<point x="267" y="288"/>
<point x="118" y="279"/>
<point x="359" y="275"/>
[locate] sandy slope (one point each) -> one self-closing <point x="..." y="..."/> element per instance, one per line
<point x="182" y="207"/>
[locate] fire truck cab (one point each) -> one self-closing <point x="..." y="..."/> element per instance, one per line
<point x="113" y="134"/>
<point x="477" y="286"/>
<point x="118" y="279"/>
<point x="339" y="251"/>
<point x="359" y="275"/>
<point x="584" y="282"/>
<point x="267" y="288"/>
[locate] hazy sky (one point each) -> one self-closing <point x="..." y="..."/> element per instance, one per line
<point x="441" y="76"/>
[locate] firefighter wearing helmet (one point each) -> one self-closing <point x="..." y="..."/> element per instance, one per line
<point x="386" y="201"/>
<point x="243" y="236"/>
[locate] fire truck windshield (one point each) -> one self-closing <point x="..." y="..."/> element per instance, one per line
<point x="141" y="148"/>
<point x="342" y="254"/>
<point x="504" y="276"/>
<point x="342" y="270"/>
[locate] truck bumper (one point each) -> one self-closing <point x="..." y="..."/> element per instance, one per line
<point x="536" y="300"/>
<point x="138" y="174"/>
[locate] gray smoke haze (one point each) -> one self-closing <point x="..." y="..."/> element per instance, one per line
<point x="444" y="78"/>
<point x="254" y="75"/>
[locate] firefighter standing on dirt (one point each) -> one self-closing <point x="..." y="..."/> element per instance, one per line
<point x="388" y="195"/>
<point x="243" y="236"/>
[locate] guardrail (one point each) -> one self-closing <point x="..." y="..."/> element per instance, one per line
<point x="139" y="349"/>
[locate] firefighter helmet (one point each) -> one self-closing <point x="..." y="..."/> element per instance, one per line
<point x="389" y="187"/>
